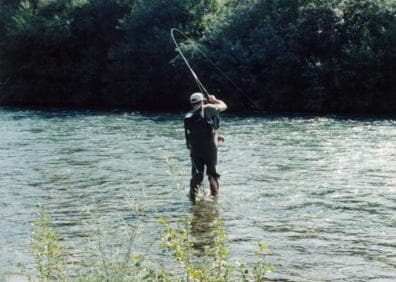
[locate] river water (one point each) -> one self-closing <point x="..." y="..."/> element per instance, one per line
<point x="320" y="191"/>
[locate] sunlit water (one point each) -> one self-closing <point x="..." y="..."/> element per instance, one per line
<point x="321" y="192"/>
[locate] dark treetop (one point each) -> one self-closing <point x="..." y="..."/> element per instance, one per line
<point x="318" y="56"/>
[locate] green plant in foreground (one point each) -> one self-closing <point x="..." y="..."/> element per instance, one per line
<point x="259" y="269"/>
<point x="216" y="265"/>
<point x="48" y="252"/>
<point x="50" y="257"/>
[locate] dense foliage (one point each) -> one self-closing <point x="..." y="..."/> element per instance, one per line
<point x="323" y="56"/>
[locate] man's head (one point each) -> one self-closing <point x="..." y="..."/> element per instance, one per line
<point x="196" y="99"/>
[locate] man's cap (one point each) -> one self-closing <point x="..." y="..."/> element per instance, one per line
<point x="196" y="97"/>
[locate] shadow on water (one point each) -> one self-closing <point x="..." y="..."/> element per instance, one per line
<point x="205" y="214"/>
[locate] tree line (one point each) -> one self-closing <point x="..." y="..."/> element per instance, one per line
<point x="317" y="56"/>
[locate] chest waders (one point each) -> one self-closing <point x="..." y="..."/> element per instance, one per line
<point x="200" y="137"/>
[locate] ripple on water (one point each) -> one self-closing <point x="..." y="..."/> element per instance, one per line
<point x="319" y="191"/>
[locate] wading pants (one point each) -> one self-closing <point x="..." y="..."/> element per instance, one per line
<point x="201" y="157"/>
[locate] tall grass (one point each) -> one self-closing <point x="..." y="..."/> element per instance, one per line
<point x="48" y="252"/>
<point x="216" y="264"/>
<point x="52" y="261"/>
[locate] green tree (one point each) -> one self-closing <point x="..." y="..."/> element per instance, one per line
<point x="95" y="29"/>
<point x="142" y="62"/>
<point x="275" y="55"/>
<point x="54" y="52"/>
<point x="32" y="46"/>
<point x="304" y="56"/>
<point x="368" y="30"/>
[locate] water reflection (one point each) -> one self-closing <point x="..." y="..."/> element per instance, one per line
<point x="205" y="214"/>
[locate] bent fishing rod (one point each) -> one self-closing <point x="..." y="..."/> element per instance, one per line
<point x="251" y="104"/>
<point x="197" y="81"/>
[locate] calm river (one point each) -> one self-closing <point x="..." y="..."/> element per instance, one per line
<point x="320" y="191"/>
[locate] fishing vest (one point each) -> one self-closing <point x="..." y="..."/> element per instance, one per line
<point x="199" y="130"/>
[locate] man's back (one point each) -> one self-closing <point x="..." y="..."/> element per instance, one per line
<point x="199" y="129"/>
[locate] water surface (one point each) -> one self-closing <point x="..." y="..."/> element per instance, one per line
<point x="320" y="191"/>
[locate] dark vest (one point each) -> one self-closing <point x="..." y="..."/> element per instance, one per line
<point x="199" y="130"/>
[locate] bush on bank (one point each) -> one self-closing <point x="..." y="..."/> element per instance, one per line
<point x="317" y="56"/>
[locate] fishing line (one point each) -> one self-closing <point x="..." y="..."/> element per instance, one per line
<point x="251" y="104"/>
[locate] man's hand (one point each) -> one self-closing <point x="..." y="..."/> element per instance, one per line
<point x="212" y="99"/>
<point x="220" y="138"/>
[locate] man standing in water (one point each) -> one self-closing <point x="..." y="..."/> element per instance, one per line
<point x="200" y="125"/>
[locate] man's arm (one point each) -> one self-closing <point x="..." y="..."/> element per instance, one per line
<point x="187" y="134"/>
<point x="220" y="106"/>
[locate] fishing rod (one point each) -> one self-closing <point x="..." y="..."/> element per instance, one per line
<point x="251" y="104"/>
<point x="197" y="81"/>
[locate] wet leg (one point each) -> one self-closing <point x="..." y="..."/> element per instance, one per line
<point x="212" y="173"/>
<point x="213" y="177"/>
<point x="197" y="173"/>
<point x="214" y="186"/>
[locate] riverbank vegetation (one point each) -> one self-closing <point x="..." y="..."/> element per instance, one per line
<point x="319" y="56"/>
<point x="53" y="262"/>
